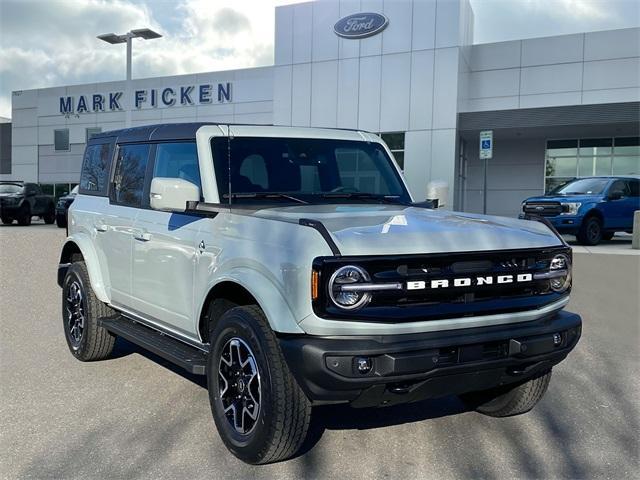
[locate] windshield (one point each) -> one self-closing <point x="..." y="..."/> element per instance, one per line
<point x="10" y="188"/>
<point x="305" y="171"/>
<point x="583" y="186"/>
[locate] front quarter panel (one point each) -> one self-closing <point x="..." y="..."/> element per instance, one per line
<point x="271" y="259"/>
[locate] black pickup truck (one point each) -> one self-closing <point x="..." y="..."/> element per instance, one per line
<point x="21" y="200"/>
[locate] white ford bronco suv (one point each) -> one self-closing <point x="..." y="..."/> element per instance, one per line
<point x="292" y="268"/>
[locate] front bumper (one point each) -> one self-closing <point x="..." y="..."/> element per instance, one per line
<point x="412" y="367"/>
<point x="568" y="224"/>
<point x="10" y="209"/>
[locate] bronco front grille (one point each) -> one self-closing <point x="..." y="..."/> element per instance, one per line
<point x="464" y="299"/>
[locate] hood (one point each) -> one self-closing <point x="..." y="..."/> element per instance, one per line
<point x="396" y="229"/>
<point x="565" y="198"/>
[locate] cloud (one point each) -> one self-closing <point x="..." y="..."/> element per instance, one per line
<point x="500" y="20"/>
<point x="45" y="43"/>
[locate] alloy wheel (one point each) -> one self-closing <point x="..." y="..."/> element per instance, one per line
<point x="239" y="385"/>
<point x="75" y="313"/>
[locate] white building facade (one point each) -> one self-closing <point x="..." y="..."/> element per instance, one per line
<point x="558" y="107"/>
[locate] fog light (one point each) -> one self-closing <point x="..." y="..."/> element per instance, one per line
<point x="364" y="365"/>
<point x="557" y="339"/>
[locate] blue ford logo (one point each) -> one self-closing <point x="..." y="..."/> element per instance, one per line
<point x="360" y="25"/>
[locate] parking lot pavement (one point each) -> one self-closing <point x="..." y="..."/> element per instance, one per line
<point x="134" y="416"/>
<point x="620" y="244"/>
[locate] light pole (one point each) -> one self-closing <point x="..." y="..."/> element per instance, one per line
<point x="127" y="38"/>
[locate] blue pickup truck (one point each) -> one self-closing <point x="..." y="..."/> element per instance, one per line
<point x="592" y="209"/>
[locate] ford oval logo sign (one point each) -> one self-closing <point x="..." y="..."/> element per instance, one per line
<point x="360" y="25"/>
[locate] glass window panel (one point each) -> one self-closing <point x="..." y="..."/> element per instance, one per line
<point x="626" y="165"/>
<point x="562" y="167"/>
<point x="399" y="156"/>
<point x="603" y="166"/>
<point x="47" y="188"/>
<point x="590" y="151"/>
<point x="553" y="144"/>
<point x="91" y="131"/>
<point x="562" y="152"/>
<point x="627" y="141"/>
<point x="61" y="139"/>
<point x="596" y="142"/>
<point x="395" y="141"/>
<point x="129" y="175"/>
<point x="585" y="166"/>
<point x="552" y="183"/>
<point x="630" y="150"/>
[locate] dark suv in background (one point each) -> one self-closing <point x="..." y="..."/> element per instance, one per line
<point x="21" y="200"/>
<point x="63" y="205"/>
<point x="593" y="209"/>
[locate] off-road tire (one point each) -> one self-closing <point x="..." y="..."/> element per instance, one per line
<point x="7" y="220"/>
<point x="508" y="400"/>
<point x="96" y="343"/>
<point x="24" y="217"/>
<point x="285" y="412"/>
<point x="50" y="216"/>
<point x="590" y="232"/>
<point x="61" y="221"/>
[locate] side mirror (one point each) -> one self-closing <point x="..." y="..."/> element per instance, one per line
<point x="615" y="195"/>
<point x="172" y="194"/>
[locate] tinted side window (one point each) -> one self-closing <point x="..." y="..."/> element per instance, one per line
<point x="128" y="180"/>
<point x="177" y="160"/>
<point x="95" y="169"/>
<point x="634" y="186"/>
<point x="620" y="186"/>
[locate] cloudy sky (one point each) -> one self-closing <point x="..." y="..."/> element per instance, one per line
<point x="46" y="43"/>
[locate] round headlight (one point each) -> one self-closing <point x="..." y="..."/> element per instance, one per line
<point x="561" y="265"/>
<point x="346" y="298"/>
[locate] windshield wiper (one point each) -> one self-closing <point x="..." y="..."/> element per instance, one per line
<point x="395" y="199"/>
<point x="265" y="195"/>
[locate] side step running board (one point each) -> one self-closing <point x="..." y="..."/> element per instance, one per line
<point x="185" y="356"/>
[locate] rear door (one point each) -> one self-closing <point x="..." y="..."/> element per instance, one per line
<point x="87" y="212"/>
<point x="128" y="189"/>
<point x="164" y="246"/>
<point x="630" y="203"/>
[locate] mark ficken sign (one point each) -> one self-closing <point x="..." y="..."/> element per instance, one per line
<point x="204" y="94"/>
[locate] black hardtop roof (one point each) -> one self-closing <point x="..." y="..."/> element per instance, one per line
<point x="168" y="131"/>
<point x="161" y="131"/>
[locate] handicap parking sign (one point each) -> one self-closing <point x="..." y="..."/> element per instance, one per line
<point x="486" y="144"/>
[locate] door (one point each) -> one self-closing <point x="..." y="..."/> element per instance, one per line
<point x="165" y="247"/>
<point x="116" y="224"/>
<point x="619" y="211"/>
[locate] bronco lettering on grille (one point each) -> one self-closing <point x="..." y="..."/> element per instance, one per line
<point x="469" y="281"/>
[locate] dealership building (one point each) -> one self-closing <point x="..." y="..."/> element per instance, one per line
<point x="558" y="107"/>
